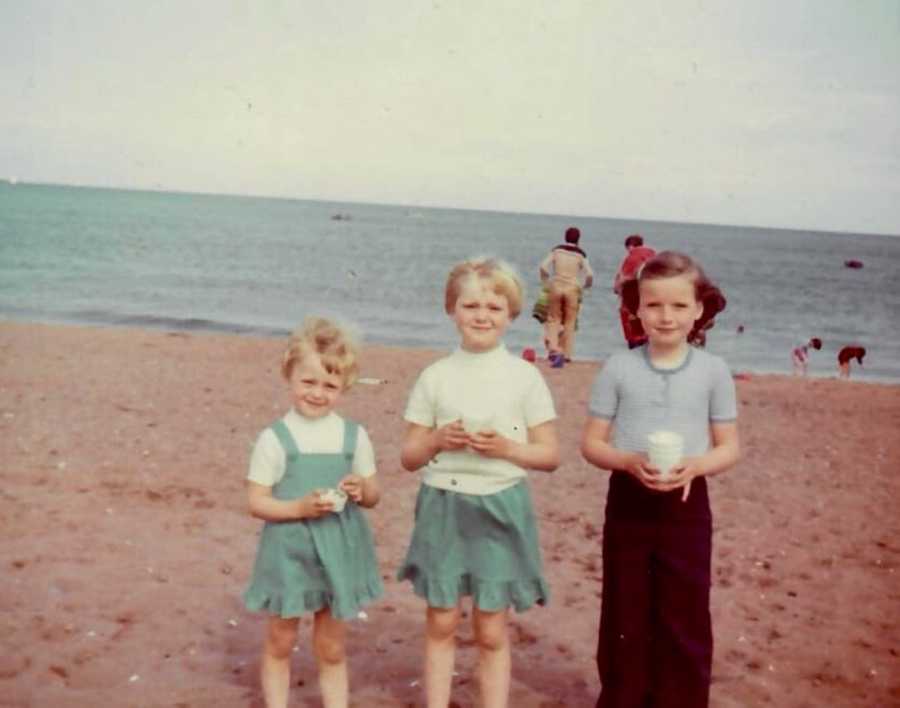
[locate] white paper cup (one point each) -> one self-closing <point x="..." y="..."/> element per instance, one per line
<point x="337" y="497"/>
<point x="475" y="424"/>
<point x="665" y="450"/>
<point x="664" y="463"/>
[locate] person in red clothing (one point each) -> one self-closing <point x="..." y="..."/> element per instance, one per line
<point x="845" y="355"/>
<point x="637" y="254"/>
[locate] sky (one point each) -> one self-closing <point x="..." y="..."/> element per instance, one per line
<point x="781" y="113"/>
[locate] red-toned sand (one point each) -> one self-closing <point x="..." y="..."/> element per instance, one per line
<point x="125" y="544"/>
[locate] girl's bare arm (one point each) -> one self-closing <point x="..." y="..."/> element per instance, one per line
<point x="266" y="507"/>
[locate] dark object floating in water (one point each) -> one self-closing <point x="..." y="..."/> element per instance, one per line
<point x="340" y="217"/>
<point x="853" y="264"/>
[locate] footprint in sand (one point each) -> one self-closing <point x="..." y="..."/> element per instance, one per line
<point x="724" y="576"/>
<point x="60" y="671"/>
<point x="13" y="665"/>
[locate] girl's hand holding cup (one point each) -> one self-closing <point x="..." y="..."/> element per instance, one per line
<point x="314" y="505"/>
<point x="451" y="436"/>
<point x="639" y="467"/>
<point x="678" y="477"/>
<point x="482" y="438"/>
<point x="490" y="443"/>
<point x="352" y="485"/>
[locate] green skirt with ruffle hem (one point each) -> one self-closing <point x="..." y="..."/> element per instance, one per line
<point x="306" y="566"/>
<point x="483" y="546"/>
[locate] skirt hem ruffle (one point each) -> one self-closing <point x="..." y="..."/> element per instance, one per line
<point x="489" y="595"/>
<point x="298" y="603"/>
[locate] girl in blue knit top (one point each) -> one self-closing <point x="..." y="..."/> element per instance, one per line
<point x="655" y="644"/>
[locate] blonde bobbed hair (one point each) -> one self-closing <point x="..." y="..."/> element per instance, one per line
<point x="501" y="275"/>
<point x="335" y="346"/>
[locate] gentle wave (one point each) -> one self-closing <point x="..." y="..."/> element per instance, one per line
<point x="148" y="321"/>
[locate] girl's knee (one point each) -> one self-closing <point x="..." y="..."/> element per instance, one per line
<point x="442" y="622"/>
<point x="281" y="636"/>
<point x="328" y="639"/>
<point x="490" y="630"/>
<point x="329" y="649"/>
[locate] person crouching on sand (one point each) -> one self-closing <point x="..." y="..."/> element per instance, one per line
<point x="845" y="356"/>
<point x="477" y="420"/>
<point x="655" y="642"/>
<point x="800" y="355"/>
<point x="310" y="473"/>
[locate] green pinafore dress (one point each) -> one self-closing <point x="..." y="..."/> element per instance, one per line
<point x="306" y="565"/>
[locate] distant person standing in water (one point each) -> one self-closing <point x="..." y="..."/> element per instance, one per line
<point x="565" y="270"/>
<point x="846" y="355"/>
<point x="636" y="254"/>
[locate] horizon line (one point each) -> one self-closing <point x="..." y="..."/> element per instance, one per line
<point x="13" y="181"/>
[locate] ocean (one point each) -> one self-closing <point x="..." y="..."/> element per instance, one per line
<point x="253" y="265"/>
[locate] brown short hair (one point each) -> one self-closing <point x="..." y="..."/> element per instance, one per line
<point x="669" y="264"/>
<point x="500" y="274"/>
<point x="336" y="348"/>
<point x="572" y="234"/>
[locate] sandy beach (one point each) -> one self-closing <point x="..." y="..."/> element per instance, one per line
<point x="125" y="543"/>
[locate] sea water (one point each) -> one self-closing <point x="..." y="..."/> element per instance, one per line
<point x="260" y="265"/>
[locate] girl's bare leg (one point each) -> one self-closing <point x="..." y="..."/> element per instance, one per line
<point x="328" y="646"/>
<point x="494" y="661"/>
<point x="275" y="667"/>
<point x="440" y="650"/>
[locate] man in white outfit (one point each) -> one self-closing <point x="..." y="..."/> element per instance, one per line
<point x="566" y="270"/>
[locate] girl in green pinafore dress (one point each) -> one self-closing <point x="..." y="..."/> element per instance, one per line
<point x="478" y="419"/>
<point x="310" y="473"/>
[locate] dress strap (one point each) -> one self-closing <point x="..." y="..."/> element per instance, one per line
<point x="286" y="439"/>
<point x="350" y="432"/>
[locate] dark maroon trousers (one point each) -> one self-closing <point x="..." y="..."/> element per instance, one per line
<point x="655" y="643"/>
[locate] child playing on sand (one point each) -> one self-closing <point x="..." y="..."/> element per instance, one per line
<point x="315" y="553"/>
<point x="800" y="354"/>
<point x="846" y="355"/>
<point x="478" y="419"/>
<point x="655" y="642"/>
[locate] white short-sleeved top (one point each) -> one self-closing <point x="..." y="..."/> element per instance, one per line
<point x="504" y="391"/>
<point x="316" y="435"/>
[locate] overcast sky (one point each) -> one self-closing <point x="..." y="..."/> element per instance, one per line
<point x="764" y="112"/>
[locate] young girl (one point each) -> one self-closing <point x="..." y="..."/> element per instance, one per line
<point x="312" y="557"/>
<point x="655" y="643"/>
<point x="478" y="419"/>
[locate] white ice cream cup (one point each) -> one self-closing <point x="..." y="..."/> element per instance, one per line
<point x="337" y="497"/>
<point x="665" y="449"/>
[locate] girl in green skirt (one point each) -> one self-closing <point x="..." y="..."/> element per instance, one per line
<point x="478" y="419"/>
<point x="310" y="473"/>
